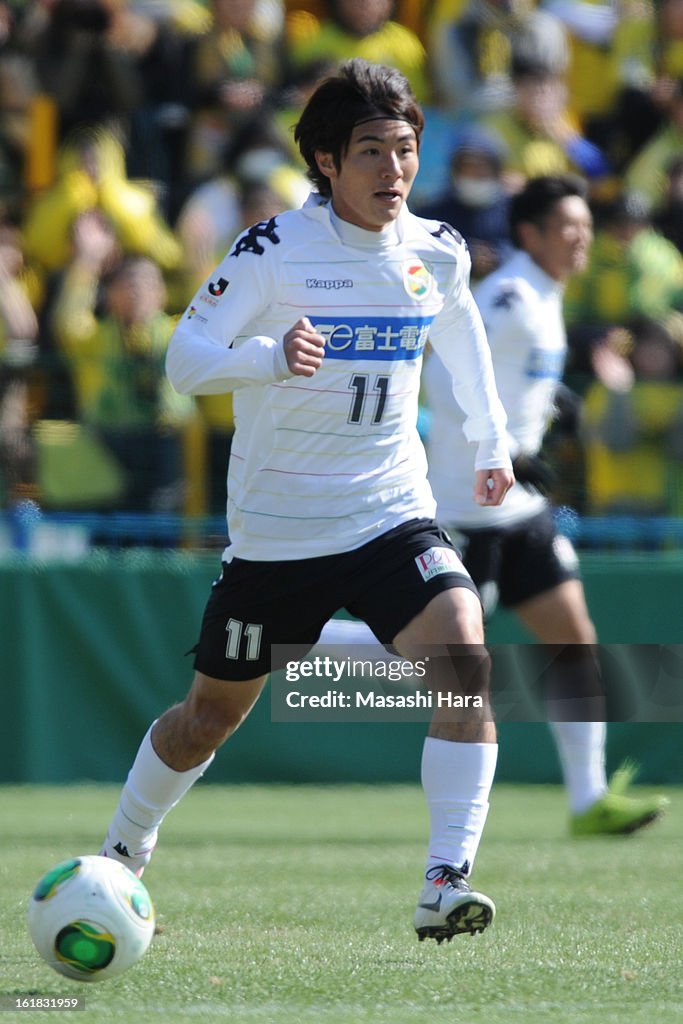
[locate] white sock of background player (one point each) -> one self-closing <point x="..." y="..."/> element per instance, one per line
<point x="350" y="633"/>
<point x="581" y="747"/>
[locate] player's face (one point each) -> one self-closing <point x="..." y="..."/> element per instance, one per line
<point x="376" y="173"/>
<point x="561" y="246"/>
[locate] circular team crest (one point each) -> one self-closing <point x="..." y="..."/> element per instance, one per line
<point x="417" y="278"/>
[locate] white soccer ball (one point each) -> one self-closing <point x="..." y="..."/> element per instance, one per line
<point x="90" y="918"/>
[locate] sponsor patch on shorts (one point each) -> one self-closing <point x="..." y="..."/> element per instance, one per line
<point x="434" y="561"/>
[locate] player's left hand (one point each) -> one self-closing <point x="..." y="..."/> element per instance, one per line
<point x="491" y="485"/>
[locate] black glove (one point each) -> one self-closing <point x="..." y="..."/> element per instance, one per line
<point x="567" y="410"/>
<point x="533" y="471"/>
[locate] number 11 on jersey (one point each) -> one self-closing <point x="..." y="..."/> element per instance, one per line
<point x="359" y="384"/>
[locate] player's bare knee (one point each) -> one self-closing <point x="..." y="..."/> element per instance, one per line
<point x="210" y="723"/>
<point x="452" y="617"/>
<point x="215" y="708"/>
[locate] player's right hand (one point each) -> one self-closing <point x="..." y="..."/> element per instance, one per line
<point x="304" y="348"/>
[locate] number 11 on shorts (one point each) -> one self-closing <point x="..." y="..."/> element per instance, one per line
<point x="251" y="632"/>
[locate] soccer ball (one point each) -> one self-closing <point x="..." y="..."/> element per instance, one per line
<point x="90" y="918"/>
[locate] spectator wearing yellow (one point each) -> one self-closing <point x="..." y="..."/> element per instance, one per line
<point x="18" y="349"/>
<point x="646" y="175"/>
<point x="612" y="48"/>
<point x="232" y="68"/>
<point x="670" y="38"/>
<point x="91" y="175"/>
<point x="632" y="271"/>
<point x="363" y="28"/>
<point x="538" y="134"/>
<point x="633" y="426"/>
<point x="117" y="361"/>
<point x="471" y="46"/>
<point x="669" y="217"/>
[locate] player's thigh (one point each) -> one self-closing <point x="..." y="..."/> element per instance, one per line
<point x="535" y="561"/>
<point x="255" y="610"/>
<point x="559" y="615"/>
<point x="452" y="617"/>
<point x="397" y="579"/>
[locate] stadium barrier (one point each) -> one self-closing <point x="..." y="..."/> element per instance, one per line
<point x="91" y="651"/>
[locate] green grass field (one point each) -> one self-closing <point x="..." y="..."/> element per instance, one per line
<point x="294" y="905"/>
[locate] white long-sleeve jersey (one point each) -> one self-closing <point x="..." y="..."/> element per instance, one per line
<point x="323" y="464"/>
<point x="522" y="309"/>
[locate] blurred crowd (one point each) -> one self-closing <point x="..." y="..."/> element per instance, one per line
<point x="139" y="137"/>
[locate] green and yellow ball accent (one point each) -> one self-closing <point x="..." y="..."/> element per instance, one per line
<point x="85" y="946"/>
<point x="50" y="883"/>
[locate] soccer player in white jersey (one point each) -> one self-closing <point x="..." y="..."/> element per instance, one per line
<point x="513" y="552"/>
<point x="317" y="321"/>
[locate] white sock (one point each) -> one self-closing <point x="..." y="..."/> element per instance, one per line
<point x="581" y="748"/>
<point x="457" y="780"/>
<point x="151" y="790"/>
<point x="338" y="633"/>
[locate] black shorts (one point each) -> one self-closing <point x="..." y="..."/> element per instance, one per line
<point x="386" y="583"/>
<point x="514" y="564"/>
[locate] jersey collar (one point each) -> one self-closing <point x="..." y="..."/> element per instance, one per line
<point x="349" y="234"/>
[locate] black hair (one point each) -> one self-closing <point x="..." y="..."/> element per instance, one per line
<point x="357" y="91"/>
<point x="522" y="67"/>
<point x="539" y="197"/>
<point x="625" y="208"/>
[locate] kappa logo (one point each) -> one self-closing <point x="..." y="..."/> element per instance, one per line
<point x="329" y="282"/>
<point x="218" y="287"/>
<point x="435" y="561"/>
<point x="251" y="241"/>
<point x="505" y="297"/>
<point x="417" y="279"/>
<point x="447" y="229"/>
